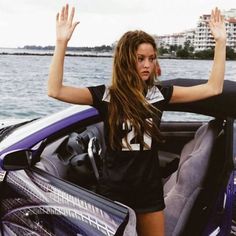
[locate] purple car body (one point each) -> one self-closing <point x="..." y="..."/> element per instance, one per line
<point x="50" y="168"/>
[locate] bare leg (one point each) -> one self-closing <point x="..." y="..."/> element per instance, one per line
<point x="150" y="224"/>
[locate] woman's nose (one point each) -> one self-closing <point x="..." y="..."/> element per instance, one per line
<point x="146" y="63"/>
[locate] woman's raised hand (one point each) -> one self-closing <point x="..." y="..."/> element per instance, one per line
<point x="217" y="25"/>
<point x="64" y="24"/>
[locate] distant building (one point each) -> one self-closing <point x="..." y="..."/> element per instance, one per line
<point x="230" y="13"/>
<point x="170" y="39"/>
<point x="231" y="27"/>
<point x="203" y="38"/>
<point x="189" y="35"/>
<point x="179" y="39"/>
<point x="200" y="38"/>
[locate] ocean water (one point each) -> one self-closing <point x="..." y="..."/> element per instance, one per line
<point x="23" y="80"/>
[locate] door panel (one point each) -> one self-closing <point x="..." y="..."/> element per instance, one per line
<point x="38" y="203"/>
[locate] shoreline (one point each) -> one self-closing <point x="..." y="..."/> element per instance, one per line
<point x="110" y="55"/>
<point x="73" y="55"/>
<point x="51" y="54"/>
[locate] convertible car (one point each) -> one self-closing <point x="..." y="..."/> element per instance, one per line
<point x="50" y="167"/>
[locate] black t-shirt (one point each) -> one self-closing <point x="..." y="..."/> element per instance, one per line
<point x="131" y="176"/>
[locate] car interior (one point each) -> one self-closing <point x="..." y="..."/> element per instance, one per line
<point x="190" y="157"/>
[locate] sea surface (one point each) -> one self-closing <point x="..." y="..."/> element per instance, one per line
<point x="23" y="80"/>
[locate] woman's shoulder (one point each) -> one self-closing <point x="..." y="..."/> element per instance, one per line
<point x="166" y="90"/>
<point x="97" y="90"/>
<point x="100" y="87"/>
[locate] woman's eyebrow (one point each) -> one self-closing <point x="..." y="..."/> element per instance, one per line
<point x="139" y="54"/>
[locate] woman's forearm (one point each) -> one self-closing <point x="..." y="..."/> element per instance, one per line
<point x="216" y="79"/>
<point x="57" y="69"/>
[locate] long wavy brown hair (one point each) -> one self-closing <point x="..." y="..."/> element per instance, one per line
<point x="127" y="93"/>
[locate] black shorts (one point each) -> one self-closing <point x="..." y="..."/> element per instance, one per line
<point x="142" y="200"/>
<point x="134" y="179"/>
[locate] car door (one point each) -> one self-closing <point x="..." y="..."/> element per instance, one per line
<point x="40" y="201"/>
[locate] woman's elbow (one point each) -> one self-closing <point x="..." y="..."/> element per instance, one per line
<point x="217" y="91"/>
<point x="52" y="93"/>
<point x="221" y="90"/>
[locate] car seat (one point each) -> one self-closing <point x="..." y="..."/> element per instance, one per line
<point x="184" y="185"/>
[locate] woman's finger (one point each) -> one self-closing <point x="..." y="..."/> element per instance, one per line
<point x="222" y="18"/>
<point x="212" y="18"/>
<point x="57" y="17"/>
<point x="74" y="25"/>
<point x="62" y="13"/>
<point x="218" y="15"/>
<point x="72" y="15"/>
<point x="66" y="12"/>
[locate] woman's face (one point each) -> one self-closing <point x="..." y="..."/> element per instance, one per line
<point x="146" y="60"/>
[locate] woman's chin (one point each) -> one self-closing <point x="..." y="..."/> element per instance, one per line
<point x="145" y="78"/>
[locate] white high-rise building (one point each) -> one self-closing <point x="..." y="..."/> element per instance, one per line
<point x="177" y="39"/>
<point x="170" y="39"/>
<point x="203" y="39"/>
<point x="200" y="38"/>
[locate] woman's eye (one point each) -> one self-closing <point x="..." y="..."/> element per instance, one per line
<point x="151" y="59"/>
<point x="140" y="59"/>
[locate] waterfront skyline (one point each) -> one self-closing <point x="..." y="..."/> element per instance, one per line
<point x="28" y="22"/>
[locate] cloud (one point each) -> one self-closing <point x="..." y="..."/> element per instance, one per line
<point x="102" y="21"/>
<point x="111" y="7"/>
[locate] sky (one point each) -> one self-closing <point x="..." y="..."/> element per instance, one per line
<point x="32" y="22"/>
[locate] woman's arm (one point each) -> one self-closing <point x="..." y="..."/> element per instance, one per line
<point x="64" y="30"/>
<point x="214" y="86"/>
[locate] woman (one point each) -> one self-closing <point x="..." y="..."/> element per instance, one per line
<point x="131" y="109"/>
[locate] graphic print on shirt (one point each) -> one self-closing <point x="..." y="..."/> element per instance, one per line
<point x="131" y="138"/>
<point x="153" y="95"/>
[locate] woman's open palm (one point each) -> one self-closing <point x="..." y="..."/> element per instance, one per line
<point x="217" y="25"/>
<point x="64" y="24"/>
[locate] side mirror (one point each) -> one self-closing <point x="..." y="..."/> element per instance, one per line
<point x="16" y="160"/>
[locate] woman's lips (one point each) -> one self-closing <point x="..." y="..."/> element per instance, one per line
<point x="145" y="73"/>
